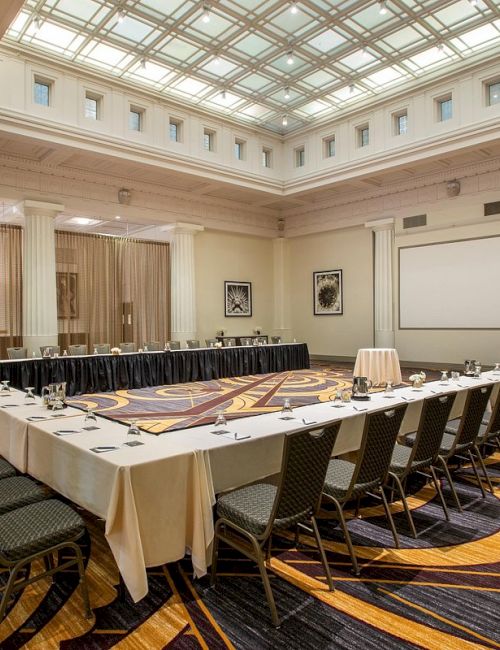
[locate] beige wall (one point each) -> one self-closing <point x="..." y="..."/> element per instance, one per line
<point x="222" y="256"/>
<point x="351" y="251"/>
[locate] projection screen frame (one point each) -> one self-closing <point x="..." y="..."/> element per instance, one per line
<point x="430" y="329"/>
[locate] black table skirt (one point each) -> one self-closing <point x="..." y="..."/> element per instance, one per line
<point x="101" y="373"/>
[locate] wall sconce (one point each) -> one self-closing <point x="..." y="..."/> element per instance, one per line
<point x="124" y="196"/>
<point x="453" y="188"/>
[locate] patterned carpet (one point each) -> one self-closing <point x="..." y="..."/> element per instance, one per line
<point x="439" y="592"/>
<point x="179" y="406"/>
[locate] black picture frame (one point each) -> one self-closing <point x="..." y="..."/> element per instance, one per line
<point x="328" y="293"/>
<point x="237" y="299"/>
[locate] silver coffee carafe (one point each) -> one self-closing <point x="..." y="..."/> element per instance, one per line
<point x="360" y="387"/>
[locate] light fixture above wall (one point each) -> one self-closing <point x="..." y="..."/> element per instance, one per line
<point x="124" y="196"/>
<point x="453" y="188"/>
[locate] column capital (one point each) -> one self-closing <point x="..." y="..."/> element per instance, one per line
<point x="181" y="228"/>
<point x="380" y="224"/>
<point x="42" y="208"/>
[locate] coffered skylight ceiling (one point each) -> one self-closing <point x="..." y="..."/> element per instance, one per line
<point x="258" y="60"/>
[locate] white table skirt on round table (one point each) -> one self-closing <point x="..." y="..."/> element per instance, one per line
<point x="379" y="365"/>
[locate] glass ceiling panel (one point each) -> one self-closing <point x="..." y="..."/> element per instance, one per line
<point x="345" y="52"/>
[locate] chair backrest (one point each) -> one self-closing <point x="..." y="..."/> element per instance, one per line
<point x="246" y="340"/>
<point x="229" y="342"/>
<point x="433" y="420"/>
<point x="472" y="416"/>
<point x="101" y="348"/>
<point x="77" y="349"/>
<point x="17" y="353"/>
<point x="174" y="345"/>
<point x="210" y="342"/>
<point x="192" y="344"/>
<point x="275" y="339"/>
<point x="305" y="459"/>
<point x="377" y="444"/>
<point x="494" y="420"/>
<point x="152" y="346"/>
<point x="127" y="347"/>
<point x="53" y="349"/>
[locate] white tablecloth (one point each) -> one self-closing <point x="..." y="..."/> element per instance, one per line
<point x="379" y="365"/>
<point x="157" y="498"/>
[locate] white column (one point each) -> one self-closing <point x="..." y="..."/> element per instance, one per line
<point x="281" y="316"/>
<point x="383" y="285"/>
<point x="183" y="300"/>
<point x="39" y="275"/>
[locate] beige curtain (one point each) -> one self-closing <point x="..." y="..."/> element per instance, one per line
<point x="11" y="297"/>
<point x="101" y="280"/>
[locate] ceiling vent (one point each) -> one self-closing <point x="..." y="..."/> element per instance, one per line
<point x="415" y="222"/>
<point x="491" y="208"/>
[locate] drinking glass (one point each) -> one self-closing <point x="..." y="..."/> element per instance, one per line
<point x="146" y="348"/>
<point x="286" y="410"/>
<point x="29" y="392"/>
<point x="65" y="353"/>
<point x="220" y="422"/>
<point x="90" y="416"/>
<point x="444" y="377"/>
<point x="389" y="389"/>
<point x="133" y="430"/>
<point x="455" y="376"/>
<point x="496" y="369"/>
<point x="337" y="400"/>
<point x="346" y="395"/>
<point x="5" y="388"/>
<point x="477" y="370"/>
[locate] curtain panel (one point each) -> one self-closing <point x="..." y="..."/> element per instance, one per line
<point x="11" y="282"/>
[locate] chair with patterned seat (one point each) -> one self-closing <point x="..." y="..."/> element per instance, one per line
<point x="17" y="353"/>
<point x="249" y="516"/>
<point x="152" y="346"/>
<point x="423" y="454"/>
<point x="50" y="350"/>
<point x="6" y="469"/>
<point x="173" y="345"/>
<point x="210" y="342"/>
<point x="229" y="342"/>
<point x="346" y="480"/>
<point x="464" y="440"/>
<point x="128" y="347"/>
<point x="192" y="344"/>
<point x="275" y="339"/>
<point x="39" y="531"/>
<point x="246" y="340"/>
<point x="79" y="349"/>
<point x="101" y="348"/>
<point x="19" y="491"/>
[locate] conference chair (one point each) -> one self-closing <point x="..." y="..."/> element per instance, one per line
<point x="229" y="342"/>
<point x="6" y="469"/>
<point x="52" y="349"/>
<point x="75" y="350"/>
<point x="174" y="345"/>
<point x="17" y="353"/>
<point x="101" y="348"/>
<point x="192" y="344"/>
<point x="128" y="347"/>
<point x="275" y="339"/>
<point x="464" y="439"/>
<point x="210" y="342"/>
<point x="246" y="340"/>
<point x="19" y="491"/>
<point x="152" y="346"/>
<point x="248" y="516"/>
<point x="346" y="481"/>
<point x="39" y="531"/>
<point x="423" y="454"/>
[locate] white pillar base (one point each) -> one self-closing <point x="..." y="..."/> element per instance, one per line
<point x="384" y="338"/>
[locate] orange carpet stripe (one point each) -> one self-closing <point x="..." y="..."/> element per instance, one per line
<point x="205" y="610"/>
<point x="394" y="624"/>
<point x="438" y="617"/>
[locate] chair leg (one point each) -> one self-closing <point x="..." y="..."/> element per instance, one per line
<point x="347" y="536"/>
<point x="269" y="547"/>
<point x="83" y="582"/>
<point x="296" y="540"/>
<point x="9" y="588"/>
<point x="409" y="517"/>
<point x="267" y="585"/>
<point x="473" y="463"/>
<point x="437" y="484"/>
<point x="322" y="554"/>
<point x="450" y="482"/>
<point x="483" y="468"/>
<point x="215" y="557"/>
<point x="389" y="518"/>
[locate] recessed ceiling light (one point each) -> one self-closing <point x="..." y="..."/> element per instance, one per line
<point x="284" y="121"/>
<point x="289" y="58"/>
<point x="82" y="221"/>
<point x="294" y="9"/>
<point x="118" y="217"/>
<point x="206" y="14"/>
<point x="382" y="9"/>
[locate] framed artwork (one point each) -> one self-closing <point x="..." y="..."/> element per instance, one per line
<point x="328" y="299"/>
<point x="67" y="295"/>
<point x="238" y="298"/>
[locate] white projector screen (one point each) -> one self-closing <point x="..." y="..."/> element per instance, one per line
<point x="453" y="285"/>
